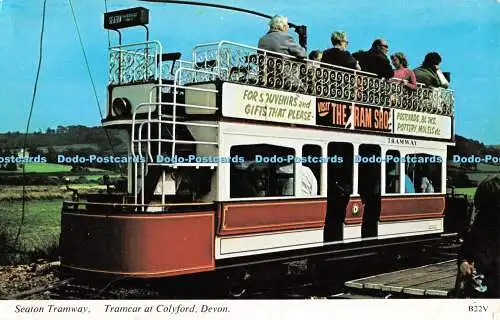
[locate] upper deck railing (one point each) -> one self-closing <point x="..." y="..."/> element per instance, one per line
<point x="139" y="62"/>
<point x="252" y="66"/>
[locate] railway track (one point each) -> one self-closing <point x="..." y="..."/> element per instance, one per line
<point x="306" y="279"/>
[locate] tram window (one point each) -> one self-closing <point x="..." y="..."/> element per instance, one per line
<point x="340" y="166"/>
<point x="424" y="171"/>
<point x="267" y="171"/>
<point x="392" y="171"/>
<point x="311" y="155"/>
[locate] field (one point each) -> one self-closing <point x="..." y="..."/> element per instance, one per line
<point x="8" y="193"/>
<point x="467" y="191"/>
<point x="40" y="230"/>
<point x="50" y="168"/>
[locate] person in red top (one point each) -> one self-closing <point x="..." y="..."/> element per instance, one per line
<point x="402" y="71"/>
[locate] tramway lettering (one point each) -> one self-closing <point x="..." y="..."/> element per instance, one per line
<point x="401" y="141"/>
<point x="68" y="309"/>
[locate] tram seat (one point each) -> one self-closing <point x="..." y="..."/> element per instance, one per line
<point x="171" y="56"/>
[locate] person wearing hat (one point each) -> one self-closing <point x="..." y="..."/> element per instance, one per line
<point x="338" y="55"/>
<point x="479" y="257"/>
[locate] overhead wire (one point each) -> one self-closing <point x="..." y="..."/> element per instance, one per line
<point x="25" y="142"/>
<point x="92" y="79"/>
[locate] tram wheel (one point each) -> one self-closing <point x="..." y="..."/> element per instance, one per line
<point x="238" y="283"/>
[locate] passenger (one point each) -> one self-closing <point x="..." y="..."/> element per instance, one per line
<point x="480" y="252"/>
<point x="309" y="185"/>
<point x="375" y="60"/>
<point x="402" y="71"/>
<point x="315" y="55"/>
<point x="426" y="185"/>
<point x="338" y="55"/>
<point x="429" y="73"/>
<point x="278" y="40"/>
<point x="392" y="182"/>
<point x="409" y="186"/>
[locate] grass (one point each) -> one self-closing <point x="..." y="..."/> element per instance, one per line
<point x="76" y="146"/>
<point x="41" y="227"/>
<point x="8" y="193"/>
<point x="468" y="191"/>
<point x="479" y="176"/>
<point x="488" y="167"/>
<point x="51" y="168"/>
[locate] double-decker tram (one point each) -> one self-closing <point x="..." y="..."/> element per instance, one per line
<point x="242" y="156"/>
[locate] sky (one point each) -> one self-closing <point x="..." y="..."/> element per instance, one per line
<point x="464" y="32"/>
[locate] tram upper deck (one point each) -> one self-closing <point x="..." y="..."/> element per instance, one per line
<point x="238" y="81"/>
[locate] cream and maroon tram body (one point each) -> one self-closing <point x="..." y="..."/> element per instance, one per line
<point x="251" y="156"/>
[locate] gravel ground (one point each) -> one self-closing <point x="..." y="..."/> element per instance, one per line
<point x="20" y="278"/>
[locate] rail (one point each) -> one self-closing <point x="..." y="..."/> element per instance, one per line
<point x="141" y="62"/>
<point x="159" y="131"/>
<point x="229" y="61"/>
<point x="252" y="66"/>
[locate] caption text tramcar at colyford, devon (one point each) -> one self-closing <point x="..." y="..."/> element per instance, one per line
<point x="253" y="156"/>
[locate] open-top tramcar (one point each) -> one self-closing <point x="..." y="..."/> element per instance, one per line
<point x="243" y="156"/>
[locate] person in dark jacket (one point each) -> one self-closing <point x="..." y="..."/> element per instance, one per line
<point x="278" y="40"/>
<point x="375" y="60"/>
<point x="429" y="72"/>
<point x="480" y="251"/>
<point x="315" y="55"/>
<point x="338" y="55"/>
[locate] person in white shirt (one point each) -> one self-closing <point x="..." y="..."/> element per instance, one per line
<point x="309" y="185"/>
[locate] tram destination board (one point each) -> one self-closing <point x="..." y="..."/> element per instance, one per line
<point x="351" y="116"/>
<point x="126" y="18"/>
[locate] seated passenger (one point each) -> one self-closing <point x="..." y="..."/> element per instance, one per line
<point x="338" y="55"/>
<point x="392" y="182"/>
<point x="409" y="187"/>
<point x="278" y="40"/>
<point x="375" y="60"/>
<point x="309" y="185"/>
<point x="402" y="71"/>
<point x="429" y="73"/>
<point x="426" y="185"/>
<point x="315" y="55"/>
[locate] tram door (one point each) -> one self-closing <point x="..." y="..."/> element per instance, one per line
<point x="369" y="180"/>
<point x="340" y="173"/>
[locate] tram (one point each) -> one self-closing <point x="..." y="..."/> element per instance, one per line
<point x="242" y="156"/>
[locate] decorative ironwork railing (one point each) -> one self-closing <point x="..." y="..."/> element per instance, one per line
<point x="248" y="65"/>
<point x="136" y="62"/>
<point x="140" y="62"/>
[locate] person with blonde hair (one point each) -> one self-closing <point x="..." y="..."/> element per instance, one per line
<point x="338" y="55"/>
<point x="402" y="71"/>
<point x="278" y="40"/>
